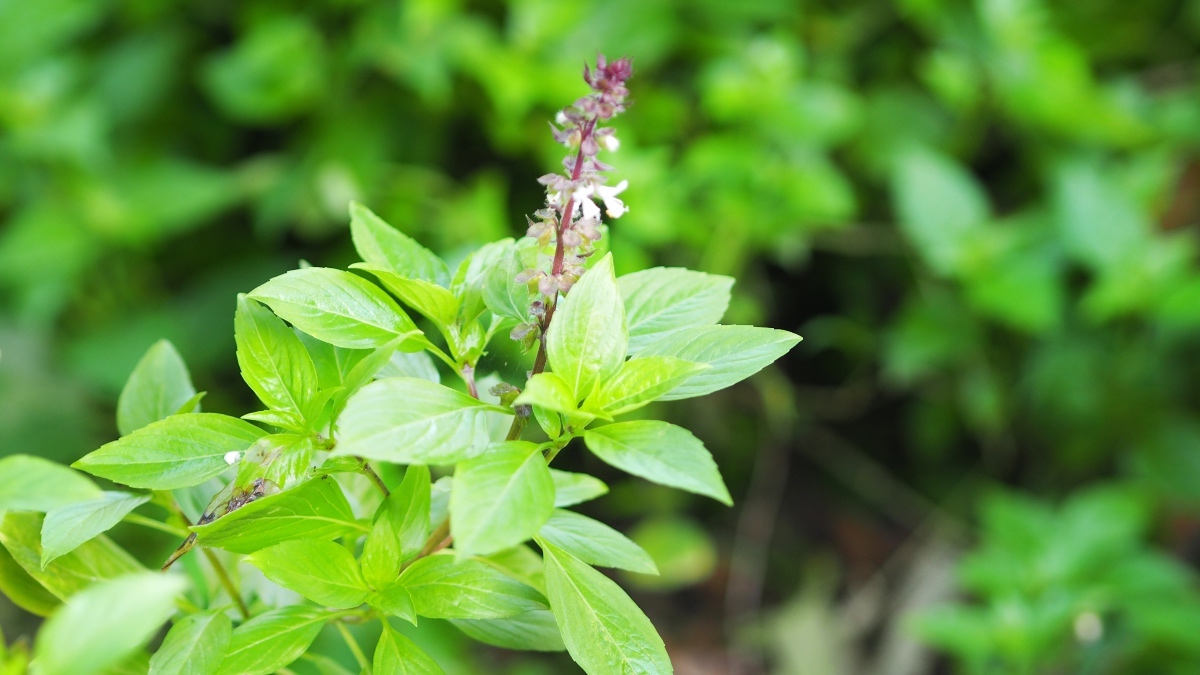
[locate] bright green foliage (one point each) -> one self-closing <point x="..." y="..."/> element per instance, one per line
<point x="179" y="451"/>
<point x="602" y="628"/>
<point x="660" y="452"/>
<point x="35" y="484"/>
<point x="588" y="340"/>
<point x="159" y="386"/>
<point x="195" y="645"/>
<point x="66" y="527"/>
<point x="500" y="499"/>
<point x="397" y="655"/>
<point x="299" y="506"/>
<point x="444" y="588"/>
<point x="272" y="640"/>
<point x="133" y="608"/>
<point x="321" y="571"/>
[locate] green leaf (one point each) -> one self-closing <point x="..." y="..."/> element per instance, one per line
<point x="442" y="588"/>
<point x="179" y="451"/>
<point x="23" y="590"/>
<point x="66" y="527"/>
<point x="272" y="640"/>
<point x="502" y="294"/>
<point x="940" y="205"/>
<point x="383" y="245"/>
<point x="337" y="307"/>
<point x="397" y="655"/>
<point x="595" y="543"/>
<point x="429" y="299"/>
<point x="158" y="386"/>
<point x="468" y="282"/>
<point x="500" y="499"/>
<point x="400" y="528"/>
<point x="410" y="364"/>
<point x="534" y="631"/>
<point x="521" y="563"/>
<point x="363" y="372"/>
<point x="273" y="360"/>
<point x="195" y="645"/>
<point x="734" y="352"/>
<point x="321" y="571"/>
<point x="413" y="421"/>
<point x="661" y="300"/>
<point x="603" y="629"/>
<point x="105" y="623"/>
<point x="659" y="452"/>
<point x="396" y="601"/>
<point x="549" y="391"/>
<point x="316" y="509"/>
<point x="93" y="561"/>
<point x="1099" y="223"/>
<point x="575" y="488"/>
<point x="29" y="483"/>
<point x="283" y="459"/>
<point x="587" y="340"/>
<point x="333" y="363"/>
<point x="640" y="381"/>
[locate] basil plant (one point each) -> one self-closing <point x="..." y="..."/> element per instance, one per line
<point x="474" y="525"/>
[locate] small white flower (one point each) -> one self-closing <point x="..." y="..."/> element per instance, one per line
<point x="232" y="457"/>
<point x="613" y="206"/>
<point x="610" y="142"/>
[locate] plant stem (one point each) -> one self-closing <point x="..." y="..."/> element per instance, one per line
<point x="154" y="524"/>
<point x="227" y="582"/>
<point x="370" y="473"/>
<point x="354" y="648"/>
<point x="468" y="375"/>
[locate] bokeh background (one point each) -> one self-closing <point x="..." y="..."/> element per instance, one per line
<point x="982" y="217"/>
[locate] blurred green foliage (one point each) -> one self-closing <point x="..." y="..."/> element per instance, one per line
<point x="982" y="212"/>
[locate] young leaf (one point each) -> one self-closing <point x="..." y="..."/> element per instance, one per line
<point x="575" y="488"/>
<point x="195" y="645"/>
<point x="383" y="245"/>
<point x="549" y="391"/>
<point x="396" y="601"/>
<point x="468" y="282"/>
<point x="321" y="571"/>
<point x="363" y="373"/>
<point x="273" y="360"/>
<point x="158" y="386"/>
<point x="429" y="299"/>
<point x="23" y="590"/>
<point x="66" y="527"/>
<point x="502" y="293"/>
<point x="661" y="300"/>
<point x="95" y="560"/>
<point x="397" y="655"/>
<point x="659" y="452"/>
<point x="179" y="451"/>
<point x="640" y="381"/>
<point x="587" y="340"/>
<point x="410" y="364"/>
<point x="333" y="363"/>
<point x="316" y="509"/>
<point x="442" y="588"/>
<point x="107" y="622"/>
<point x="534" y="631"/>
<point x="272" y="640"/>
<point x="500" y="499"/>
<point x="595" y="543"/>
<point x="412" y="421"/>
<point x="337" y="307"/>
<point x="29" y="483"/>
<point x="734" y="352"/>
<point x="400" y="529"/>
<point x="603" y="629"/>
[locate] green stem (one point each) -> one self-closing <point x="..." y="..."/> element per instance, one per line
<point x="155" y="525"/>
<point x="370" y="473"/>
<point x="227" y="582"/>
<point x="354" y="648"/>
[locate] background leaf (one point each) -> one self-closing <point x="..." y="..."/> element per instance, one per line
<point x="158" y="386"/>
<point x="30" y="483"/>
